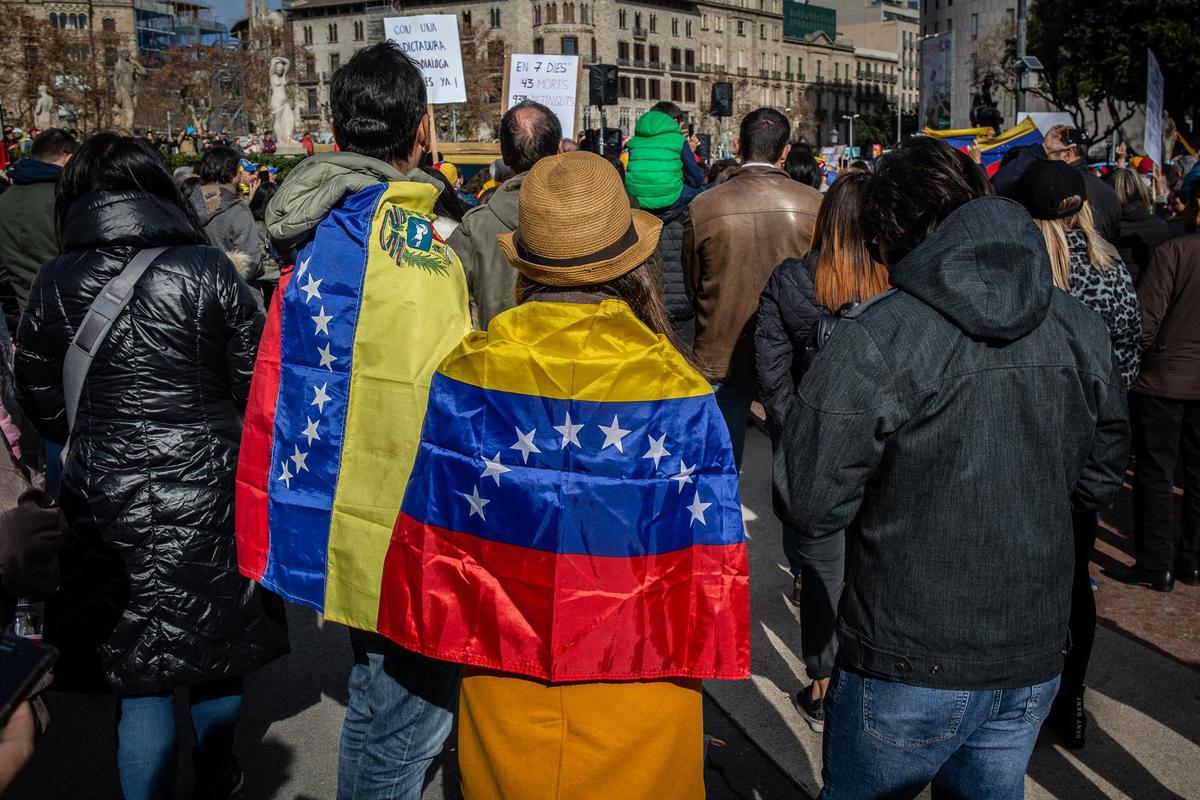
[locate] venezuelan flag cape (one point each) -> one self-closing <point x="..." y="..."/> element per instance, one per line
<point x="991" y="148"/>
<point x="337" y="399"/>
<point x="573" y="514"/>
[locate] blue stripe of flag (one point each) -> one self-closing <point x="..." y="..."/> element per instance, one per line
<point x="313" y="397"/>
<point x="585" y="498"/>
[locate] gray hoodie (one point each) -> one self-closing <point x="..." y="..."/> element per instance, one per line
<point x="230" y="226"/>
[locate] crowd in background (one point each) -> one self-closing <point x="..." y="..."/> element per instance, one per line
<point x="950" y="367"/>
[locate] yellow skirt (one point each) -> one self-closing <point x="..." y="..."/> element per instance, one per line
<point x="519" y="739"/>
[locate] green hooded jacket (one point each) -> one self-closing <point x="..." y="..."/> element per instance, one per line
<point x="655" y="172"/>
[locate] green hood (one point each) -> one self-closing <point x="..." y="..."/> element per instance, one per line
<point x="655" y="172"/>
<point x="319" y="183"/>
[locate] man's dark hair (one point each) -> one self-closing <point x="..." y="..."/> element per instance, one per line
<point x="528" y="133"/>
<point x="219" y="165"/>
<point x="915" y="187"/>
<point x="670" y="109"/>
<point x="764" y="134"/>
<point x="52" y="144"/>
<point x="378" y="99"/>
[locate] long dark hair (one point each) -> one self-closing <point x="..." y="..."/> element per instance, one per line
<point x="262" y="196"/>
<point x="640" y="291"/>
<point x="108" y="162"/>
<point x="844" y="270"/>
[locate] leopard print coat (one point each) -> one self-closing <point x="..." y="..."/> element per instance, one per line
<point x="1111" y="295"/>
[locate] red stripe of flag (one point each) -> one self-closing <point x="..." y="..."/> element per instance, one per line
<point x="461" y="598"/>
<point x="254" y="461"/>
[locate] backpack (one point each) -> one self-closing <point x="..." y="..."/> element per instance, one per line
<point x="819" y="333"/>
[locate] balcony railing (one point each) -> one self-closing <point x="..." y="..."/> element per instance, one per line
<point x="623" y="62"/>
<point x="658" y="65"/>
<point x="640" y="33"/>
<point x="743" y="71"/>
<point x="676" y="66"/>
<point x="775" y="74"/>
<point x="762" y="73"/>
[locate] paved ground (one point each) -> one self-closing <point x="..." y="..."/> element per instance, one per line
<point x="1144" y="695"/>
<point x="1144" y="700"/>
<point x="289" y="736"/>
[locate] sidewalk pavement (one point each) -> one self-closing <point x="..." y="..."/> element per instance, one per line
<point x="1144" y="679"/>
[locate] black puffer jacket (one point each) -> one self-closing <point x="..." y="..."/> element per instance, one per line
<point x="787" y="310"/>
<point x="670" y="245"/>
<point x="151" y="591"/>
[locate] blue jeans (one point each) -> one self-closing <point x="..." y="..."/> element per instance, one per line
<point x="400" y="712"/>
<point x="148" y="751"/>
<point x="734" y="400"/>
<point x="885" y="739"/>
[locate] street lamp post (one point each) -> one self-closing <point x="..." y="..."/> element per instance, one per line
<point x="851" y="117"/>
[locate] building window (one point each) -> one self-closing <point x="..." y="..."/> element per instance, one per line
<point x="110" y="56"/>
<point x="720" y="24"/>
<point x="639" y="88"/>
<point x="622" y="19"/>
<point x="654" y="53"/>
<point x="623" y="86"/>
<point x="687" y="29"/>
<point x="53" y="19"/>
<point x="312" y="100"/>
<point x="568" y="12"/>
<point x="674" y="26"/>
<point x="950" y="25"/>
<point x="570" y="45"/>
<point x="762" y="31"/>
<point x="551" y="13"/>
<point x="1010" y="17"/>
<point x="623" y="50"/>
<point x="974" y="27"/>
<point x="335" y="61"/>
<point x="676" y="91"/>
<point x="676" y="57"/>
<point x="308" y="37"/>
<point x="741" y="28"/>
<point x="704" y="22"/>
<point x="820" y="66"/>
<point x="637" y="21"/>
<point x="466" y="15"/>
<point x="719" y="58"/>
<point x="333" y="32"/>
<point x="539" y="46"/>
<point x="935" y="27"/>
<point x="654" y="23"/>
<point x="537" y="15"/>
<point x="594" y="56"/>
<point x="109" y="24"/>
<point x="310" y="65"/>
<point x="689" y="59"/>
<point x="655" y="91"/>
<point x="358" y="30"/>
<point x="494" y="17"/>
<point x="585" y="14"/>
<point x="689" y="92"/>
<point x="639" y="52"/>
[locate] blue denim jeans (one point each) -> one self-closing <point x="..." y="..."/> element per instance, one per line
<point x="885" y="739"/>
<point x="148" y="750"/>
<point x="400" y="712"/>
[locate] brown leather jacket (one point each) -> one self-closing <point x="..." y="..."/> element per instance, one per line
<point x="1169" y="292"/>
<point x="736" y="235"/>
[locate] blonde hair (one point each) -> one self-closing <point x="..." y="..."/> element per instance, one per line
<point x="1101" y="255"/>
<point x="1129" y="188"/>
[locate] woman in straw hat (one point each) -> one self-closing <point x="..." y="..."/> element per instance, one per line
<point x="589" y="575"/>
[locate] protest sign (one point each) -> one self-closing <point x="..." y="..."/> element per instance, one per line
<point x="431" y="41"/>
<point x="1154" y="110"/>
<point x="552" y="81"/>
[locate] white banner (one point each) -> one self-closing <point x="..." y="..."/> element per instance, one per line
<point x="937" y="66"/>
<point x="549" y="80"/>
<point x="431" y="40"/>
<point x="1152" y="140"/>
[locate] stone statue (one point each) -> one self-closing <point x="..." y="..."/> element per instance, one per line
<point x="125" y="74"/>
<point x="282" y="114"/>
<point x="45" y="112"/>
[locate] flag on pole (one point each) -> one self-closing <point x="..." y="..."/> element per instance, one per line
<point x="573" y="513"/>
<point x="339" y="392"/>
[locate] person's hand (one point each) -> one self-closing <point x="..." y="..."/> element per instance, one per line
<point x="16" y="744"/>
<point x="694" y="143"/>
<point x="1056" y="145"/>
<point x="1121" y="154"/>
<point x="975" y="153"/>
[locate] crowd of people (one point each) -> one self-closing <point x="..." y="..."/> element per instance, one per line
<point x="954" y="370"/>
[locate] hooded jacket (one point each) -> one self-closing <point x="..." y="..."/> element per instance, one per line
<point x="490" y="278"/>
<point x="952" y="423"/>
<point x="151" y="591"/>
<point x="229" y="225"/>
<point x="27" y="235"/>
<point x="1141" y="234"/>
<point x="654" y="176"/>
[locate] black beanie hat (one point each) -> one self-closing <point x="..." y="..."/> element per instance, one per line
<point x="1044" y="186"/>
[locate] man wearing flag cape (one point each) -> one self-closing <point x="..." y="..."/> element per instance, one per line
<point x="351" y="343"/>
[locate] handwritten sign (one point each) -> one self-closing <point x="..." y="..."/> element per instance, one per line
<point x="431" y="41"/>
<point x="549" y="80"/>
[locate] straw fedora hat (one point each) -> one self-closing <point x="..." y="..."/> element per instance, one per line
<point x="575" y="226"/>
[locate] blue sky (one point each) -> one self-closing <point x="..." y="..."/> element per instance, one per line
<point x="230" y="11"/>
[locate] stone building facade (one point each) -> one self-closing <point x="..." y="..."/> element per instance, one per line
<point x="978" y="29"/>
<point x="665" y="50"/>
